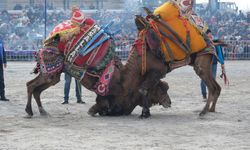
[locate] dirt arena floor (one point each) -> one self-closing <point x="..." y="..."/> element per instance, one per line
<point x="178" y="128"/>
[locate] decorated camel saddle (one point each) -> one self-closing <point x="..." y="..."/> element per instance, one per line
<point x="181" y="35"/>
<point x="77" y="46"/>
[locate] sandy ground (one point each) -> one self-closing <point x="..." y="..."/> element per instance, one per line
<point x="178" y="128"/>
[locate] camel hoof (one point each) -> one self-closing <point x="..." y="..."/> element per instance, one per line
<point x="202" y="113"/>
<point x="29" y="112"/>
<point x="145" y="114"/>
<point x="212" y="110"/>
<point x="91" y="113"/>
<point x="43" y="112"/>
<point x="28" y="116"/>
<point x="93" y="110"/>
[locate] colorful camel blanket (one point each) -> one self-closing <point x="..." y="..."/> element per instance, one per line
<point x="49" y="61"/>
<point x="188" y="33"/>
<point x="85" y="48"/>
<point x="102" y="86"/>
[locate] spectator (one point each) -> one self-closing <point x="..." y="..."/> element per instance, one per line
<point x="18" y="7"/>
<point x="2" y="64"/>
<point x="91" y="6"/>
<point x="78" y="90"/>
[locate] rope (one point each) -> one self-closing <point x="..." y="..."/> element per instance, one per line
<point x="144" y="52"/>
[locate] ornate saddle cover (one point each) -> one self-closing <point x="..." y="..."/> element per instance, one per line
<point x="86" y="47"/>
<point x="73" y="38"/>
<point x="170" y="13"/>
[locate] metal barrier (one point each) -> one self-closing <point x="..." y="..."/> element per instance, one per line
<point x="237" y="50"/>
<point x="27" y="55"/>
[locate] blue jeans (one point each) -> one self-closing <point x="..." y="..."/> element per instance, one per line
<point x="203" y="84"/>
<point x="78" y="88"/>
<point x="2" y="85"/>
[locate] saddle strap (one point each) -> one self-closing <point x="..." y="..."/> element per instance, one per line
<point x="140" y="46"/>
<point x="144" y="55"/>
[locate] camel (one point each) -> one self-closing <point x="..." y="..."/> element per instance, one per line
<point x="155" y="67"/>
<point x="138" y="82"/>
<point x="43" y="81"/>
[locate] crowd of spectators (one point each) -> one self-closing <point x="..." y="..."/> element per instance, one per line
<point x="229" y="25"/>
<point x="24" y="29"/>
<point x="232" y="27"/>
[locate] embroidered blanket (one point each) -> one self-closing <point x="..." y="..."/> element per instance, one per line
<point x="85" y="47"/>
<point x="50" y="60"/>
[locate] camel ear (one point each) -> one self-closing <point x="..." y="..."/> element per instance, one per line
<point x="147" y="11"/>
<point x="153" y="40"/>
<point x="52" y="40"/>
<point x="141" y="22"/>
<point x="56" y="38"/>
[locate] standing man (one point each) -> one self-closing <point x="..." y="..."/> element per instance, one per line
<point x="2" y="64"/>
<point x="78" y="89"/>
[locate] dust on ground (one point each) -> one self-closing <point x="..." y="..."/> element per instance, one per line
<point x="178" y="128"/>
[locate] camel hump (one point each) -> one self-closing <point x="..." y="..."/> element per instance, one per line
<point x="185" y="29"/>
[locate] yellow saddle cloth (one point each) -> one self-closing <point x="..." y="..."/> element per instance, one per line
<point x="170" y="13"/>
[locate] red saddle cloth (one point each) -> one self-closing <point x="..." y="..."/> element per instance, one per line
<point x="74" y="35"/>
<point x="70" y="34"/>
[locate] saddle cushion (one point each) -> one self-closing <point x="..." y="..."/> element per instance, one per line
<point x="170" y="13"/>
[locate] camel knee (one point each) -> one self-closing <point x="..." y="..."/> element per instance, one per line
<point x="218" y="91"/>
<point x="198" y="70"/>
<point x="143" y="91"/>
<point x="93" y="110"/>
<point x="151" y="79"/>
<point x="30" y="89"/>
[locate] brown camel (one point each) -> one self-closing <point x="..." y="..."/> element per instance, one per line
<point x="86" y="51"/>
<point x="134" y="86"/>
<point x="41" y="82"/>
<point x="157" y="96"/>
<point x="156" y="68"/>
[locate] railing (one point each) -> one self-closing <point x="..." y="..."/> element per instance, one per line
<point x="237" y="50"/>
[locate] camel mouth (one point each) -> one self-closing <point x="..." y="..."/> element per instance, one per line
<point x="165" y="101"/>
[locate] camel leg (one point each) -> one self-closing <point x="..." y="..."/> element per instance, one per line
<point x="145" y="109"/>
<point x="203" y="68"/>
<point x="93" y="110"/>
<point x="31" y="85"/>
<point x="30" y="91"/>
<point x="151" y="80"/>
<point x="37" y="92"/>
<point x="101" y="106"/>
<point x="217" y="94"/>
